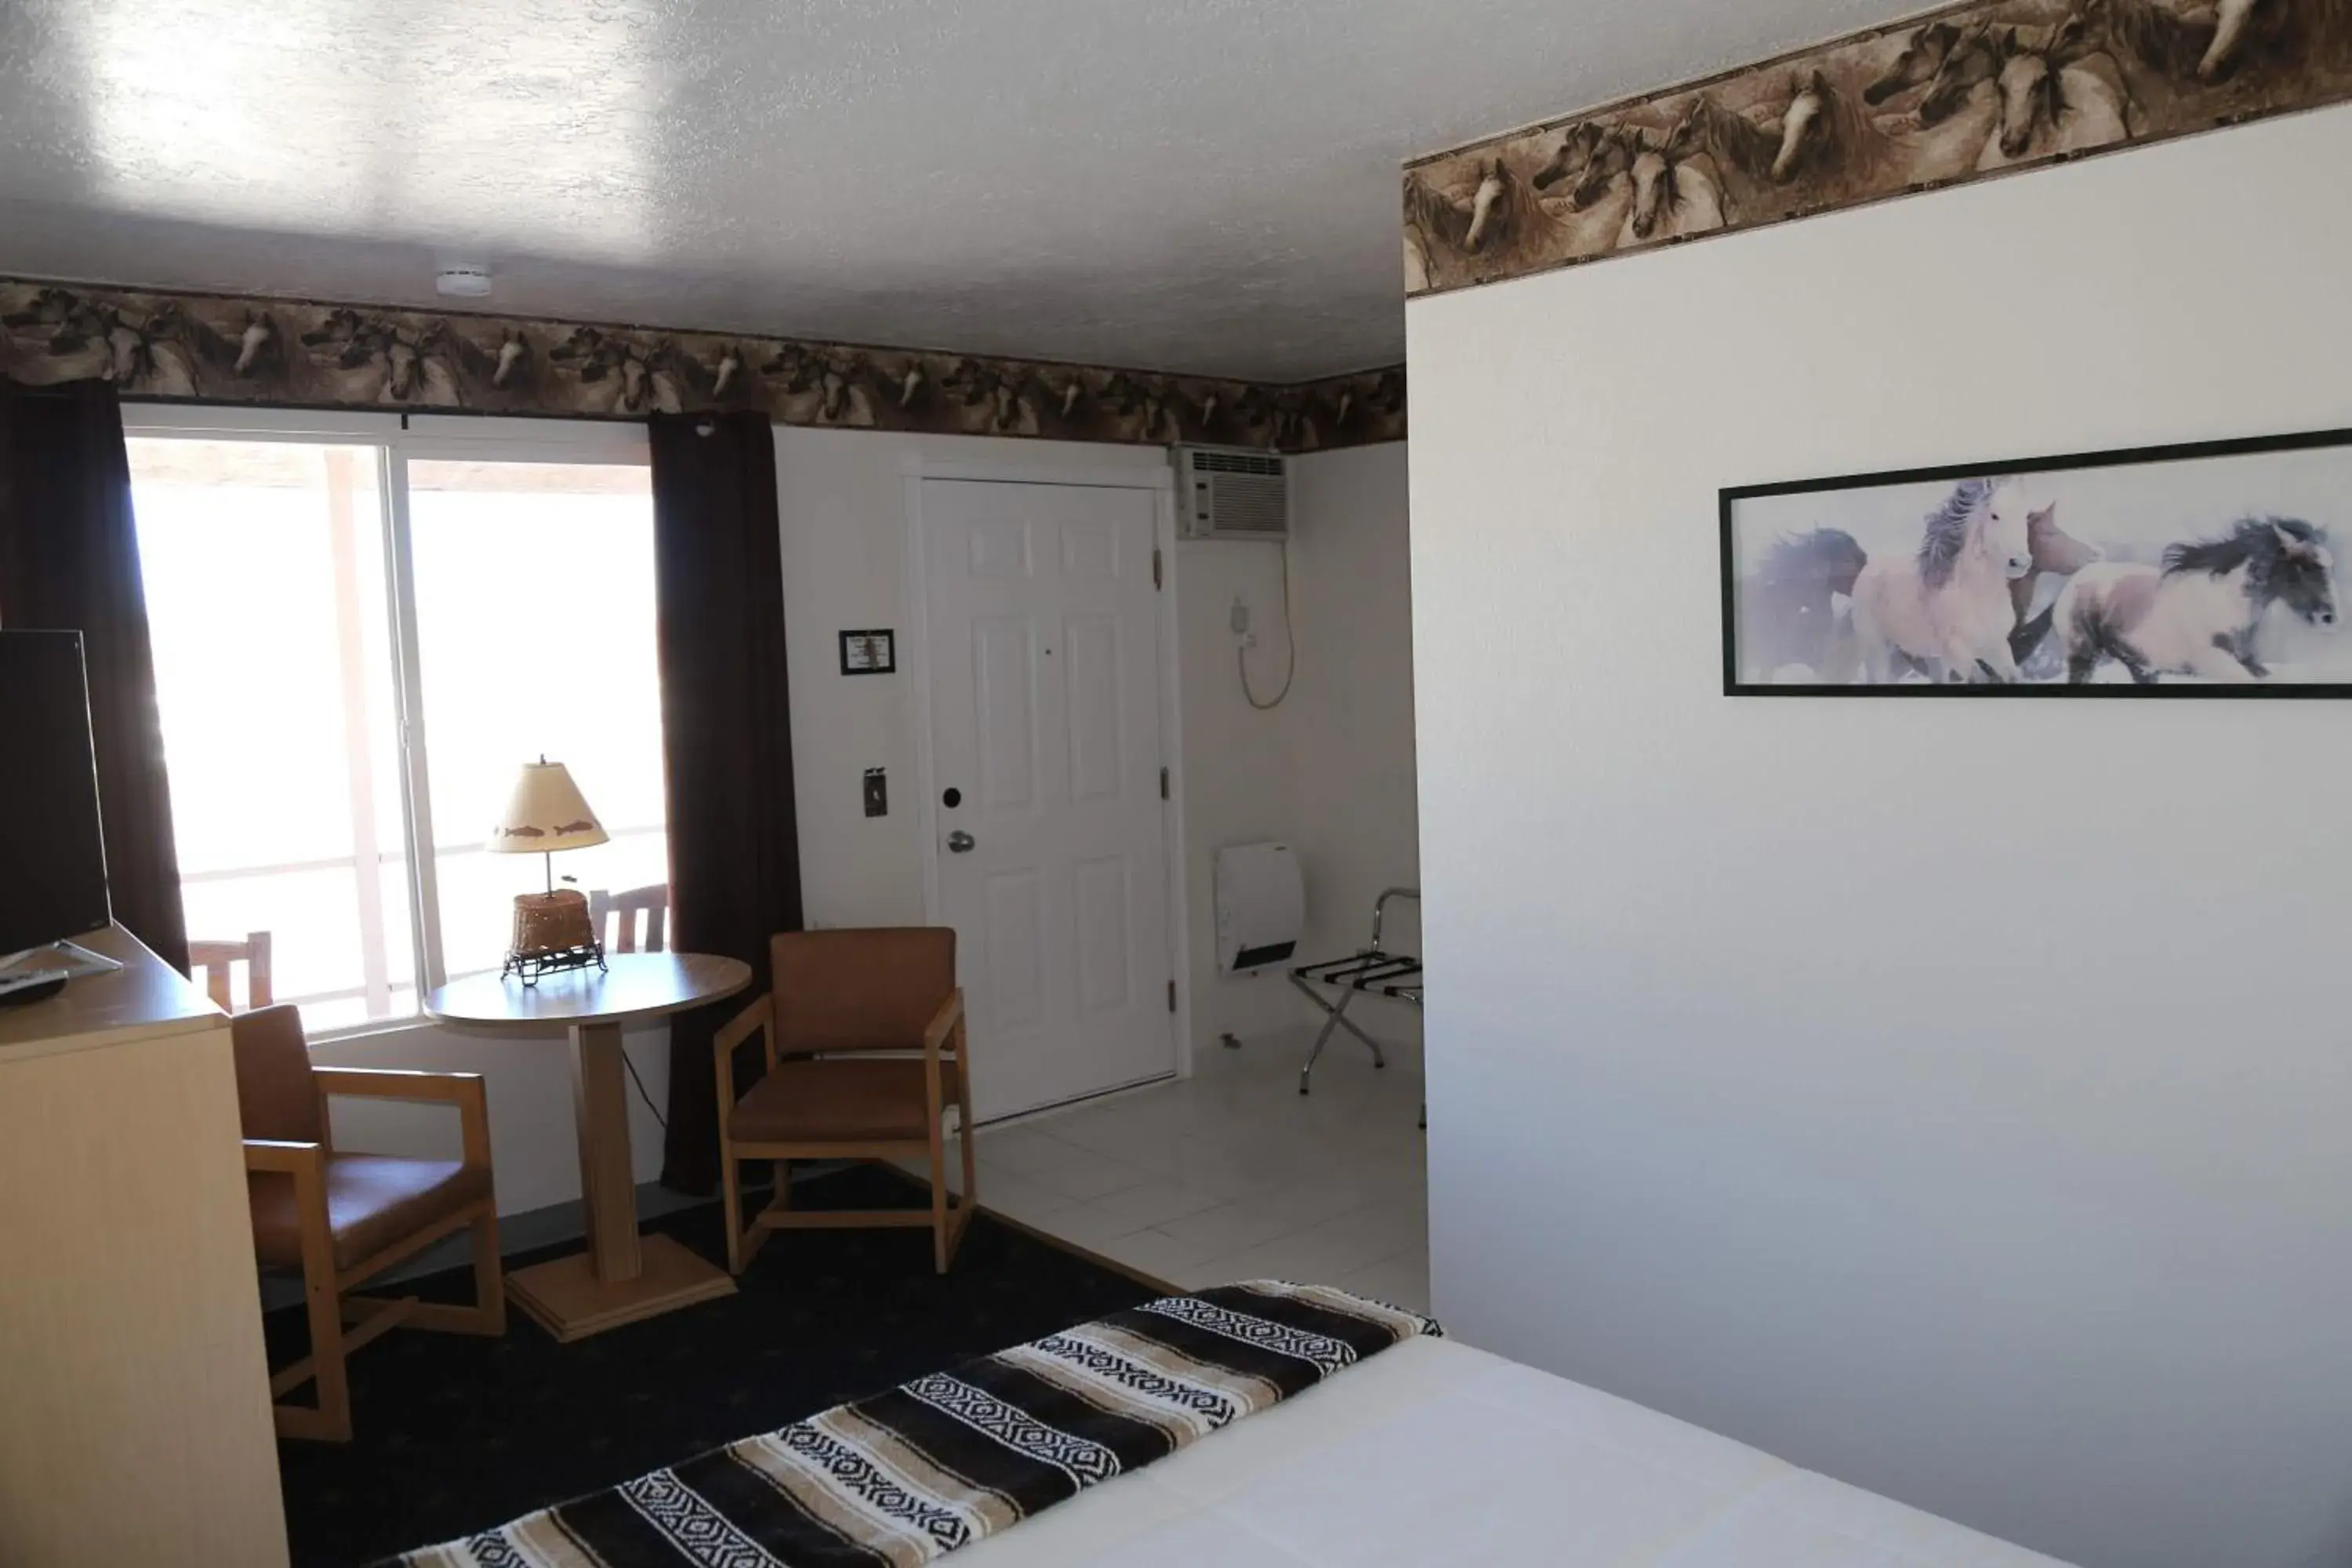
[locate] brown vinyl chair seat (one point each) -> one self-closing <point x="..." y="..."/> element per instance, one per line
<point x="863" y="1099"/>
<point x="373" y="1201"/>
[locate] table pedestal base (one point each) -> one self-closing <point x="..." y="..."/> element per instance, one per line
<point x="567" y="1299"/>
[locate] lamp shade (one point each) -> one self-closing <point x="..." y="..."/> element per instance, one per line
<point x="544" y="813"/>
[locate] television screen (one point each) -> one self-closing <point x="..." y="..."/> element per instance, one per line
<point x="52" y="854"/>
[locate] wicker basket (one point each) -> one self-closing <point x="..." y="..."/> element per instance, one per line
<point x="550" y="922"/>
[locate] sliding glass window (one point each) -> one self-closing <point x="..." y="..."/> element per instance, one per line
<point x="361" y="632"/>
<point x="534" y="589"/>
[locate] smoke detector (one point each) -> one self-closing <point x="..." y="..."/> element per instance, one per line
<point x="464" y="281"/>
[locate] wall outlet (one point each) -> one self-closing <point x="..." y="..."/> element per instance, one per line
<point x="1241" y="617"/>
<point x="877" y="792"/>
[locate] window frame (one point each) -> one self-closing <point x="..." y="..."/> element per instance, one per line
<point x="401" y="438"/>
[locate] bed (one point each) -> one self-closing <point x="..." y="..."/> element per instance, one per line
<point x="1437" y="1453"/>
<point x="1417" y="1450"/>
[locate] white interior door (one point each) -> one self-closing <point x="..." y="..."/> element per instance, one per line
<point x="1042" y="622"/>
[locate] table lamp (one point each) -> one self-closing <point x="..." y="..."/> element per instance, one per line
<point x="551" y="930"/>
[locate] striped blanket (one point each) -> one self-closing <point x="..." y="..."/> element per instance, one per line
<point x="903" y="1477"/>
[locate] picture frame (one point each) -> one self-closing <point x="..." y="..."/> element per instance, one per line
<point x="2198" y="570"/>
<point x="869" y="652"/>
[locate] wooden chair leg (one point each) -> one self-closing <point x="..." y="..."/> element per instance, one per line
<point x="490" y="1274"/>
<point x="486" y="1317"/>
<point x="963" y="1135"/>
<point x="332" y="1421"/>
<point x="939" y="1195"/>
<point x="733" y="1202"/>
<point x="780" y="1199"/>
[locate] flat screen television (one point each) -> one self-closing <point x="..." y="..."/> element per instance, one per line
<point x="52" y="852"/>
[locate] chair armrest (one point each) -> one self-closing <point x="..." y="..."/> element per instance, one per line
<point x="462" y="1090"/>
<point x="759" y="1015"/>
<point x="286" y="1159"/>
<point x="396" y="1083"/>
<point x="759" y="1018"/>
<point x="307" y="1164"/>
<point x="944" y="1023"/>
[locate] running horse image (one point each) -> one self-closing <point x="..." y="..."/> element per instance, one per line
<point x="1949" y="608"/>
<point x="1789" y="618"/>
<point x="2206" y="566"/>
<point x="2201" y="613"/>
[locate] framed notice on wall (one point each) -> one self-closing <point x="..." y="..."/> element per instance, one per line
<point x="869" y="653"/>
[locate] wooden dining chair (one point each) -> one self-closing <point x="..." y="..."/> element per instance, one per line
<point x="866" y="1048"/>
<point x="341" y="1219"/>
<point x="214" y="961"/>
<point x="652" y="903"/>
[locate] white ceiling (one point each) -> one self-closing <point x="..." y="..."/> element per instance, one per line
<point x="1201" y="185"/>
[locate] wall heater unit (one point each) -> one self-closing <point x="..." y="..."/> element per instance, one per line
<point x="1261" y="906"/>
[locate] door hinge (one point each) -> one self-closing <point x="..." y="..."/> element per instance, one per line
<point x="1171" y="997"/>
<point x="1163" y="784"/>
<point x="1156" y="569"/>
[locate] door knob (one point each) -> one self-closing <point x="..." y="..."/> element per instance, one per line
<point x="960" y="842"/>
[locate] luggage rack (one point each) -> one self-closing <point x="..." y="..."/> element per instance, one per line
<point x="1373" y="971"/>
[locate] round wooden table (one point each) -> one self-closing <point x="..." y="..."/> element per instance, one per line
<point x="622" y="1276"/>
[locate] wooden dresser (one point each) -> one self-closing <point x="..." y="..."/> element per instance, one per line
<point x="134" y="1398"/>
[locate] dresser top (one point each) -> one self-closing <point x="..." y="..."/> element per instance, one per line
<point x="143" y="999"/>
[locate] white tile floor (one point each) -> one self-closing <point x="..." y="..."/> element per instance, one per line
<point x="1232" y="1174"/>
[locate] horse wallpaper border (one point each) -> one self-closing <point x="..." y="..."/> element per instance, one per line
<point x="172" y="346"/>
<point x="1968" y="91"/>
<point x="2201" y="569"/>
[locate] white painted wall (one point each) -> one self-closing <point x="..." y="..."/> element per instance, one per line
<point x="1949" y="1097"/>
<point x="1329" y="772"/>
<point x="1241" y="785"/>
<point x="1352" y="736"/>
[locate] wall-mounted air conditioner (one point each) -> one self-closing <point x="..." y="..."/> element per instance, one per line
<point x="1232" y="492"/>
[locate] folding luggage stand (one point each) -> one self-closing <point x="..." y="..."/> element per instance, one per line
<point x="1395" y="975"/>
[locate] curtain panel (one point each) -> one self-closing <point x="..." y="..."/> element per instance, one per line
<point x="70" y="561"/>
<point x="734" y="845"/>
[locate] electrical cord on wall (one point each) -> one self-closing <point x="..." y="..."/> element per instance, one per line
<point x="641" y="1091"/>
<point x="1289" y="642"/>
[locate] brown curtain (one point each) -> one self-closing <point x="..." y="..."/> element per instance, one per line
<point x="70" y="561"/>
<point x="734" y="845"/>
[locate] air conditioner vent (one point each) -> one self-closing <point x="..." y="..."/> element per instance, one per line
<point x="1208" y="461"/>
<point x="1233" y="492"/>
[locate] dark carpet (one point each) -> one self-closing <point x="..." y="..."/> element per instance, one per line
<point x="457" y="1434"/>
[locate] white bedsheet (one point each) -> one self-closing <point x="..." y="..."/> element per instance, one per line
<point x="1435" y="1453"/>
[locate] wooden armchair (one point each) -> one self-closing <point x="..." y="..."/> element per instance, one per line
<point x="840" y="999"/>
<point x="342" y="1219"/>
<point x="215" y="960"/>
<point x="651" y="902"/>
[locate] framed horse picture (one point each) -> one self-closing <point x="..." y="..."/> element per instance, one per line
<point x="2192" y="571"/>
